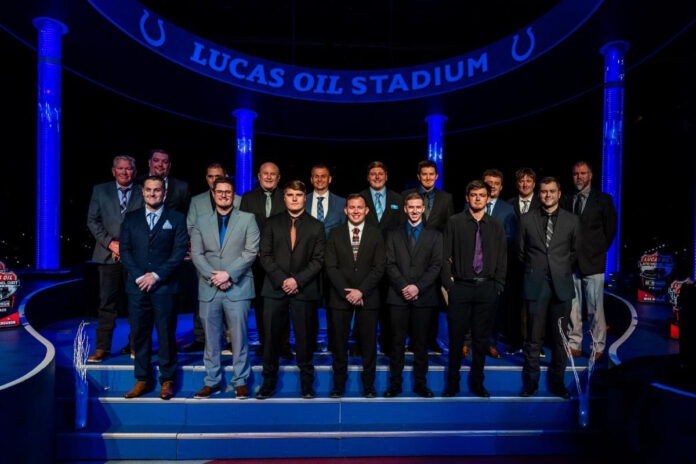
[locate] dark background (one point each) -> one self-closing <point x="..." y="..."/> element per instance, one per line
<point x="657" y="184"/>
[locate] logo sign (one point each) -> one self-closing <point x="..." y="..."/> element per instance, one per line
<point x="675" y="289"/>
<point x="346" y="86"/>
<point x="9" y="284"/>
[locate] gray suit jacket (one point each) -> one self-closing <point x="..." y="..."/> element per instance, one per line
<point x="201" y="206"/>
<point x="104" y="217"/>
<point x="236" y="255"/>
<point x="556" y="262"/>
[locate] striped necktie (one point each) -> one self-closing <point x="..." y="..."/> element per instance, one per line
<point x="320" y="208"/>
<point x="124" y="200"/>
<point x="356" y="243"/>
<point x="378" y="205"/>
<point x="151" y="220"/>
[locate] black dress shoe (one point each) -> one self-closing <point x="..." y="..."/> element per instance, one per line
<point x="450" y="391"/>
<point x="528" y="391"/>
<point x="560" y="390"/>
<point x="286" y="353"/>
<point x="392" y="391"/>
<point x="266" y="391"/>
<point x="423" y="391"/>
<point x="192" y="347"/>
<point x="336" y="393"/>
<point x="308" y="393"/>
<point x="370" y="392"/>
<point x="434" y="348"/>
<point x="125" y="350"/>
<point x="480" y="390"/>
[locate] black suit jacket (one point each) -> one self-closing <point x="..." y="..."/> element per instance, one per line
<point x="443" y="209"/>
<point x="598" y="223"/>
<point x="178" y="194"/>
<point x="420" y="266"/>
<point x="304" y="263"/>
<point x="364" y="273"/>
<point x="515" y="202"/>
<point x="556" y="262"/>
<point x="393" y="215"/>
<point x="254" y="201"/>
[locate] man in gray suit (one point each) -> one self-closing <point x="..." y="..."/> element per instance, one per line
<point x="548" y="239"/>
<point x="203" y="205"/>
<point x="224" y="245"/>
<point x="109" y="203"/>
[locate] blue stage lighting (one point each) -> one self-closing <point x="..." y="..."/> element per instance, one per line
<point x="436" y="143"/>
<point x="245" y="149"/>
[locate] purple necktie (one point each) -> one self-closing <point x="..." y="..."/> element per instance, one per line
<point x="478" y="251"/>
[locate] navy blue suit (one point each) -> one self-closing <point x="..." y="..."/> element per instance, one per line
<point x="160" y="250"/>
<point x="334" y="216"/>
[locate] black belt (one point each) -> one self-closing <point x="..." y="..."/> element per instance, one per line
<point x="473" y="280"/>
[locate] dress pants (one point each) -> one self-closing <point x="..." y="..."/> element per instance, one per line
<point x="258" y="304"/>
<point x="403" y="317"/>
<point x="366" y="319"/>
<point x="112" y="278"/>
<point x="589" y="290"/>
<point x="148" y="310"/>
<point x="471" y="310"/>
<point x="277" y="314"/>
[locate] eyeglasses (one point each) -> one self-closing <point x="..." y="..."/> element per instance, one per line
<point x="223" y="193"/>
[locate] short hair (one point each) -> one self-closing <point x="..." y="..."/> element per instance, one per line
<point x="157" y="178"/>
<point x="493" y="173"/>
<point x="223" y="180"/>
<point x="295" y="185"/>
<point x="158" y="150"/>
<point x="377" y="164"/>
<point x="525" y="172"/>
<point x="477" y="184"/>
<point x="320" y="166"/>
<point x="413" y="196"/>
<point x="217" y="166"/>
<point x="550" y="180"/>
<point x="353" y="196"/>
<point x="427" y="164"/>
<point x="128" y="158"/>
<point x="581" y="162"/>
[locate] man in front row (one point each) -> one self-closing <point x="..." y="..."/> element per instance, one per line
<point x="355" y="261"/>
<point x="224" y="245"/>
<point x="414" y="259"/>
<point x="475" y="251"/>
<point x="292" y="254"/>
<point x="153" y="244"/>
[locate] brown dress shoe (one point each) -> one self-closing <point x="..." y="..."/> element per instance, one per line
<point x="98" y="356"/>
<point x="241" y="392"/>
<point x="141" y="387"/>
<point x="167" y="390"/>
<point x="493" y="352"/>
<point x="598" y="355"/>
<point x="575" y="353"/>
<point x="206" y="392"/>
<point x="465" y="351"/>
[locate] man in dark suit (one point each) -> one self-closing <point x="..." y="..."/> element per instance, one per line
<point x="355" y="261"/>
<point x="178" y="194"/>
<point x="292" y="254"/>
<point x="386" y="213"/>
<point x="328" y="208"/>
<point x="598" y="224"/>
<point x="264" y="201"/>
<point x="223" y="247"/>
<point x="203" y="205"/>
<point x="439" y="206"/>
<point x="110" y="201"/>
<point x="473" y="272"/>
<point x="414" y="259"/>
<point x="547" y="242"/>
<point x="154" y="241"/>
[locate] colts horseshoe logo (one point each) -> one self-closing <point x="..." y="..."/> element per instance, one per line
<point x="150" y="40"/>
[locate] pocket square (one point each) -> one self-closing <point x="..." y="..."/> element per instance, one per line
<point x="394" y="206"/>
<point x="167" y="225"/>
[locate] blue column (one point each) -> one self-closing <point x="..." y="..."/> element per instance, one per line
<point x="244" y="160"/>
<point x="436" y="143"/>
<point x="612" y="137"/>
<point x="49" y="53"/>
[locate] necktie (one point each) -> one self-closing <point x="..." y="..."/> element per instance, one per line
<point x="478" y="250"/>
<point x="151" y="220"/>
<point x="579" y="200"/>
<point x="525" y="206"/>
<point x="378" y="205"/>
<point x="489" y="208"/>
<point x="268" y="203"/>
<point x="412" y="238"/>
<point x="356" y="242"/>
<point x="293" y="233"/>
<point x="124" y="200"/>
<point x="549" y="229"/>
<point x="428" y="203"/>
<point x="320" y="208"/>
<point x="223" y="229"/>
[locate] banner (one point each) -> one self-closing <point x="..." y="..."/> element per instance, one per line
<point x="9" y="284"/>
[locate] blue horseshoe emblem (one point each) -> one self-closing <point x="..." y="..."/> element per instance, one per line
<point x="151" y="41"/>
<point x="516" y="56"/>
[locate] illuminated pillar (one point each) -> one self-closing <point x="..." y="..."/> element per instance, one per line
<point x="436" y="142"/>
<point x="244" y="159"/>
<point x="612" y="138"/>
<point x="49" y="53"/>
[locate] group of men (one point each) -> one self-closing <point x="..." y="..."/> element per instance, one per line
<point x="381" y="263"/>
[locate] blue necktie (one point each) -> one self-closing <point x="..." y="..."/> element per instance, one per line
<point x="124" y="200"/>
<point x="223" y="229"/>
<point x="378" y="205"/>
<point x="320" y="208"/>
<point x="151" y="220"/>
